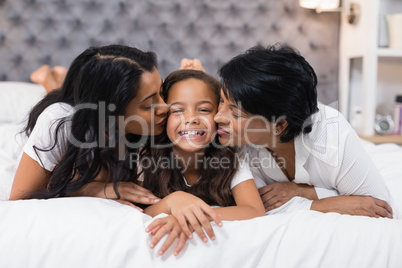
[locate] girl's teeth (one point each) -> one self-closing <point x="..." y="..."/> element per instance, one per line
<point x="191" y="133"/>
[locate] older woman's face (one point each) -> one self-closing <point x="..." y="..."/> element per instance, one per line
<point x="236" y="127"/>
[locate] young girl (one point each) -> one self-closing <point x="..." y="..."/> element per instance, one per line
<point x="194" y="172"/>
<point x="81" y="135"/>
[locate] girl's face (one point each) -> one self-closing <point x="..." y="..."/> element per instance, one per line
<point x="146" y="114"/>
<point x="236" y="127"/>
<point x="191" y="125"/>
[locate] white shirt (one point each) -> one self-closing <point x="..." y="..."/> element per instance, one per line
<point x="43" y="136"/>
<point x="330" y="158"/>
<point x="243" y="173"/>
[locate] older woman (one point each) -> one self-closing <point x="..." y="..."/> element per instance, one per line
<point x="298" y="150"/>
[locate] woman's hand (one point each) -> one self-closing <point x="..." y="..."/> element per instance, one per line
<point x="130" y="193"/>
<point x="167" y="225"/>
<point x="191" y="211"/>
<point x="278" y="193"/>
<point x="354" y="205"/>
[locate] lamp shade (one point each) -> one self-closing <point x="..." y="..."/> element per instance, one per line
<point x="319" y="4"/>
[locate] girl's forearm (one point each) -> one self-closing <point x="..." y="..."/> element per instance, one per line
<point x="178" y="199"/>
<point x="234" y="213"/>
<point x="158" y="208"/>
<point x="227" y="213"/>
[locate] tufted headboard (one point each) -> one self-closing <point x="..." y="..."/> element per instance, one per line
<point x="54" y="32"/>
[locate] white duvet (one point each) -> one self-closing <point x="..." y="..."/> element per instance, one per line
<point x="91" y="232"/>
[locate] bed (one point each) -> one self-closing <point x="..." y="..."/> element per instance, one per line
<point x="92" y="232"/>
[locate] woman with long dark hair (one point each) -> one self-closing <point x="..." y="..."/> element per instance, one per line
<point x="84" y="136"/>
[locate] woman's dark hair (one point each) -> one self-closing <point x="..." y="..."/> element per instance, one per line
<point x="275" y="82"/>
<point x="108" y="75"/>
<point x="214" y="184"/>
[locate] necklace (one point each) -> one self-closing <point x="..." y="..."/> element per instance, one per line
<point x="188" y="185"/>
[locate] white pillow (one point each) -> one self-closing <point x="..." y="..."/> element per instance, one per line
<point x="17" y="99"/>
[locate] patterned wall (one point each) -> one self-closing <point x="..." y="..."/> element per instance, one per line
<point x="54" y="32"/>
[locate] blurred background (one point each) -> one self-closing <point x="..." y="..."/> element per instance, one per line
<point x="54" y="32"/>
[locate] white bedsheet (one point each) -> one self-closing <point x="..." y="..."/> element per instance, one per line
<point x="91" y="232"/>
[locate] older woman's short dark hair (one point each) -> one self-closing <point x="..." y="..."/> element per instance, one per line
<point x="274" y="82"/>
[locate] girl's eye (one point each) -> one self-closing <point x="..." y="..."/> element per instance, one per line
<point x="147" y="108"/>
<point x="177" y="111"/>
<point x="204" y="110"/>
<point x="220" y="101"/>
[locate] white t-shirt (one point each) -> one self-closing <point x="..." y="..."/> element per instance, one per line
<point x="243" y="173"/>
<point x="330" y="157"/>
<point x="43" y="136"/>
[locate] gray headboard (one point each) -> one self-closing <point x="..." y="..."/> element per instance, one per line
<point x="54" y="32"/>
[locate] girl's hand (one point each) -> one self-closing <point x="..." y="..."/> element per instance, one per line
<point x="278" y="193"/>
<point x="190" y="210"/>
<point x="168" y="225"/>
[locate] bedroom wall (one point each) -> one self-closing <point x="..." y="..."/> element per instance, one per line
<point x="54" y="32"/>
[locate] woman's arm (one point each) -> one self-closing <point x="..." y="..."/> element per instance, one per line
<point x="30" y="177"/>
<point x="276" y="194"/>
<point x="130" y="192"/>
<point x="354" y="205"/>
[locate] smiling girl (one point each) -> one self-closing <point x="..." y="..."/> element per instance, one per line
<point x="207" y="174"/>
